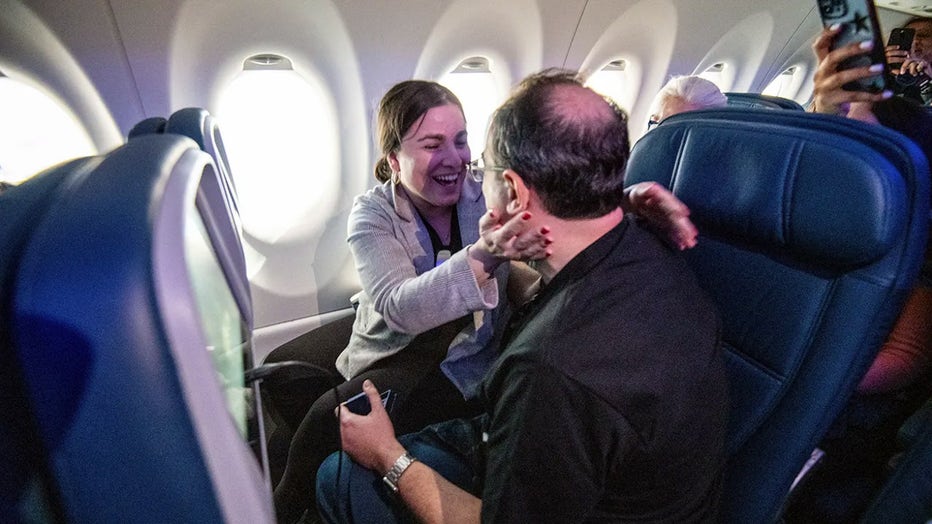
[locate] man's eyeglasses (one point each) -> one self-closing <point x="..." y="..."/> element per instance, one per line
<point x="477" y="169"/>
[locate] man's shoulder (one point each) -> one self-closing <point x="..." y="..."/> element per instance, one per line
<point x="642" y="298"/>
<point x="639" y="269"/>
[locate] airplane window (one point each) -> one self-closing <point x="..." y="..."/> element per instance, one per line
<point x="38" y="131"/>
<point x="473" y="82"/>
<point x="614" y="81"/>
<point x="281" y="133"/>
<point x="787" y="83"/>
<point x="716" y="74"/>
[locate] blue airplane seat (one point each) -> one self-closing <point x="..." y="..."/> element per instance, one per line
<point x="812" y="231"/>
<point x="23" y="477"/>
<point x="148" y="126"/>
<point x="198" y="125"/>
<point x="123" y="335"/>
<point x="761" y="101"/>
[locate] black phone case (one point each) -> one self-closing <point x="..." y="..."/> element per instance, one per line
<point x="858" y="19"/>
<point x="359" y="403"/>
<point x="902" y="38"/>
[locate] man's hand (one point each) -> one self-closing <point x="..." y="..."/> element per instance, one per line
<point x="370" y="440"/>
<point x="828" y="95"/>
<point x="914" y="67"/>
<point x="895" y="55"/>
<point x="663" y="211"/>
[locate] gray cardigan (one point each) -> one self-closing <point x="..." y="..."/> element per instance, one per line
<point x="404" y="294"/>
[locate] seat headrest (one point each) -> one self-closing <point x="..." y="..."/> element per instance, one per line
<point x="761" y="101"/>
<point x="763" y="162"/>
<point x="150" y="126"/>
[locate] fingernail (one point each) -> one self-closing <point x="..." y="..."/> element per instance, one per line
<point x="834" y="27"/>
<point x="544" y="230"/>
<point x="526" y="215"/>
<point x="886" y="94"/>
<point x="876" y="68"/>
<point x="367" y="383"/>
<point x="866" y="45"/>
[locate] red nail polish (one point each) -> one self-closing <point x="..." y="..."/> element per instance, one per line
<point x="526" y="215"/>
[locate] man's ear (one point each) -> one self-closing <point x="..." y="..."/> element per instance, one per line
<point x="519" y="195"/>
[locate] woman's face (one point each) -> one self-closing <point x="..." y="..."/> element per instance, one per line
<point x="431" y="161"/>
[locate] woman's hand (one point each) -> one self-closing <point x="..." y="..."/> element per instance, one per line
<point x="370" y="439"/>
<point x="663" y="211"/>
<point x="515" y="239"/>
<point x="828" y="95"/>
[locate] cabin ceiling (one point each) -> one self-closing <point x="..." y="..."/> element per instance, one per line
<point x="124" y="46"/>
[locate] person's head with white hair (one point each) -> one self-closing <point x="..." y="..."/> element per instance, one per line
<point x="685" y="93"/>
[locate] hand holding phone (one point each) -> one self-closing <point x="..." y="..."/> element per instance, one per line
<point x="901" y="39"/>
<point x="359" y="403"/>
<point x="858" y="21"/>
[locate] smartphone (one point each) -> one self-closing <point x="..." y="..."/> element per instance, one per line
<point x="359" y="404"/>
<point x="858" y="19"/>
<point x="902" y="38"/>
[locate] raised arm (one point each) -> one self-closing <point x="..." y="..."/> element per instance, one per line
<point x="828" y="95"/>
<point x="414" y="303"/>
<point x="663" y="211"/>
<point x="387" y="258"/>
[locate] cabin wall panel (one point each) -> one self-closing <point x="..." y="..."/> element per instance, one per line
<point x="86" y="29"/>
<point x="148" y="28"/>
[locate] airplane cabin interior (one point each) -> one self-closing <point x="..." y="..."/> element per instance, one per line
<point x="150" y="264"/>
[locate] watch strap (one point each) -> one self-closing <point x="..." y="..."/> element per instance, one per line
<point x="398" y="468"/>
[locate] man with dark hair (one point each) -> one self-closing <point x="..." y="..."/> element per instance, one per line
<point x="608" y="400"/>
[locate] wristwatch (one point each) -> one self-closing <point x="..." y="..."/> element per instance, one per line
<point x="394" y="474"/>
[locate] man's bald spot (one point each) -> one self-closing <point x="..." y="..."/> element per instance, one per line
<point x="579" y="105"/>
